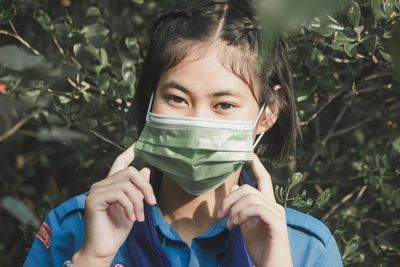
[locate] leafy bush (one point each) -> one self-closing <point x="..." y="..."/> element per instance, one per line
<point x="67" y="76"/>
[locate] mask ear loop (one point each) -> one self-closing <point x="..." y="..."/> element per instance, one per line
<point x="149" y="107"/>
<point x="261" y="135"/>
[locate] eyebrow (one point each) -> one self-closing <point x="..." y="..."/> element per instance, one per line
<point x="225" y="92"/>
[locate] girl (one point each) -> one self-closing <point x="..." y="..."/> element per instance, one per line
<point x="205" y="97"/>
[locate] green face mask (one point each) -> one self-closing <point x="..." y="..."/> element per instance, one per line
<point x="197" y="153"/>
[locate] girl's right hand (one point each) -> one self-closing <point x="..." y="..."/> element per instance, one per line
<point x="111" y="208"/>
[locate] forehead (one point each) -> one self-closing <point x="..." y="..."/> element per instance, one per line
<point x="211" y="67"/>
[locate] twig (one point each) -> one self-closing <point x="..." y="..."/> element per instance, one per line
<point x="19" y="38"/>
<point x="58" y="92"/>
<point x="58" y="45"/>
<point x="63" y="53"/>
<point x="336" y="123"/>
<point x="322" y="108"/>
<point x="335" y="207"/>
<point x="18" y="125"/>
<point x="107" y="140"/>
<point x="377" y="75"/>
<point x="13" y="27"/>
<point x="391" y="21"/>
<point x="364" y="90"/>
<point x="86" y="86"/>
<point x="329" y="134"/>
<point x="361" y="193"/>
<point x="350" y="128"/>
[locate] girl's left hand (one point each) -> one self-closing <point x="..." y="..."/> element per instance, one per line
<point x="262" y="220"/>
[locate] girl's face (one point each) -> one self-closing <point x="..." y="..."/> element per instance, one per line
<point x="200" y="86"/>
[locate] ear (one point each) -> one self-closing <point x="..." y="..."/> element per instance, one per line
<point x="269" y="115"/>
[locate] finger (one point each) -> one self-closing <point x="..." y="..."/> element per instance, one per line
<point x="263" y="177"/>
<point x="145" y="172"/>
<point x="248" y="224"/>
<point x="245" y="202"/>
<point x="234" y="196"/>
<point x="123" y="160"/>
<point x="251" y="213"/>
<point x="139" y="179"/>
<point x="108" y="198"/>
<point x="127" y="188"/>
<point x="272" y="215"/>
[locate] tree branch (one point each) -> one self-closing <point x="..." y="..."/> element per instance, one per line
<point x="322" y="108"/>
<point x="107" y="140"/>
<point x="20" y="39"/>
<point x="18" y="125"/>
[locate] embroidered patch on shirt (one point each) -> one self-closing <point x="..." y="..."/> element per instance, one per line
<point x="119" y="265"/>
<point x="44" y="235"/>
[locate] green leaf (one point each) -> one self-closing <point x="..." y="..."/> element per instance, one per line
<point x="323" y="198"/>
<point x="20" y="211"/>
<point x="87" y="124"/>
<point x="93" y="12"/>
<point x="44" y="20"/>
<point x="350" y="49"/>
<point x="287" y="15"/>
<point x="133" y="47"/>
<point x="354" y="14"/>
<point x="396" y="145"/>
<point x="325" y="25"/>
<point x="95" y="34"/>
<point x="279" y="194"/>
<point x="370" y="43"/>
<point x="128" y="72"/>
<point x="388" y="9"/>
<point x="394" y="48"/>
<point x="64" y="99"/>
<point x="30" y="96"/>
<point x="103" y="57"/>
<point x="18" y="59"/>
<point x="351" y="246"/>
<point x="340" y="39"/>
<point x="60" y="134"/>
<point x="377" y="10"/>
<point x="296" y="178"/>
<point x="104" y="82"/>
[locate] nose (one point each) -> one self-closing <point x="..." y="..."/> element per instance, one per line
<point x="201" y="111"/>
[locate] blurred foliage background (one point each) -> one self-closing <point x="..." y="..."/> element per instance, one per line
<point x="67" y="76"/>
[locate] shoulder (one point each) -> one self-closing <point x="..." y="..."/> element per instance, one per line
<point x="73" y="205"/>
<point x="66" y="220"/>
<point x="308" y="224"/>
<point x="60" y="235"/>
<point x="311" y="241"/>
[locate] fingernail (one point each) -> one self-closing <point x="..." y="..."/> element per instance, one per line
<point x="235" y="220"/>
<point x="219" y="214"/>
<point x="153" y="200"/>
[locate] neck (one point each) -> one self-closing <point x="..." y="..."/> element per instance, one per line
<point x="193" y="213"/>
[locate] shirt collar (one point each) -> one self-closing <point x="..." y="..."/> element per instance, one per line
<point x="169" y="232"/>
<point x="220" y="226"/>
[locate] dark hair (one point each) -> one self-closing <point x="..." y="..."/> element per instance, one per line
<point x="234" y="24"/>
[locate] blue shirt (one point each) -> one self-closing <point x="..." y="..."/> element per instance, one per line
<point x="204" y="248"/>
<point x="63" y="232"/>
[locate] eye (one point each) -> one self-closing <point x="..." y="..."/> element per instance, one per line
<point x="225" y="105"/>
<point x="175" y="99"/>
